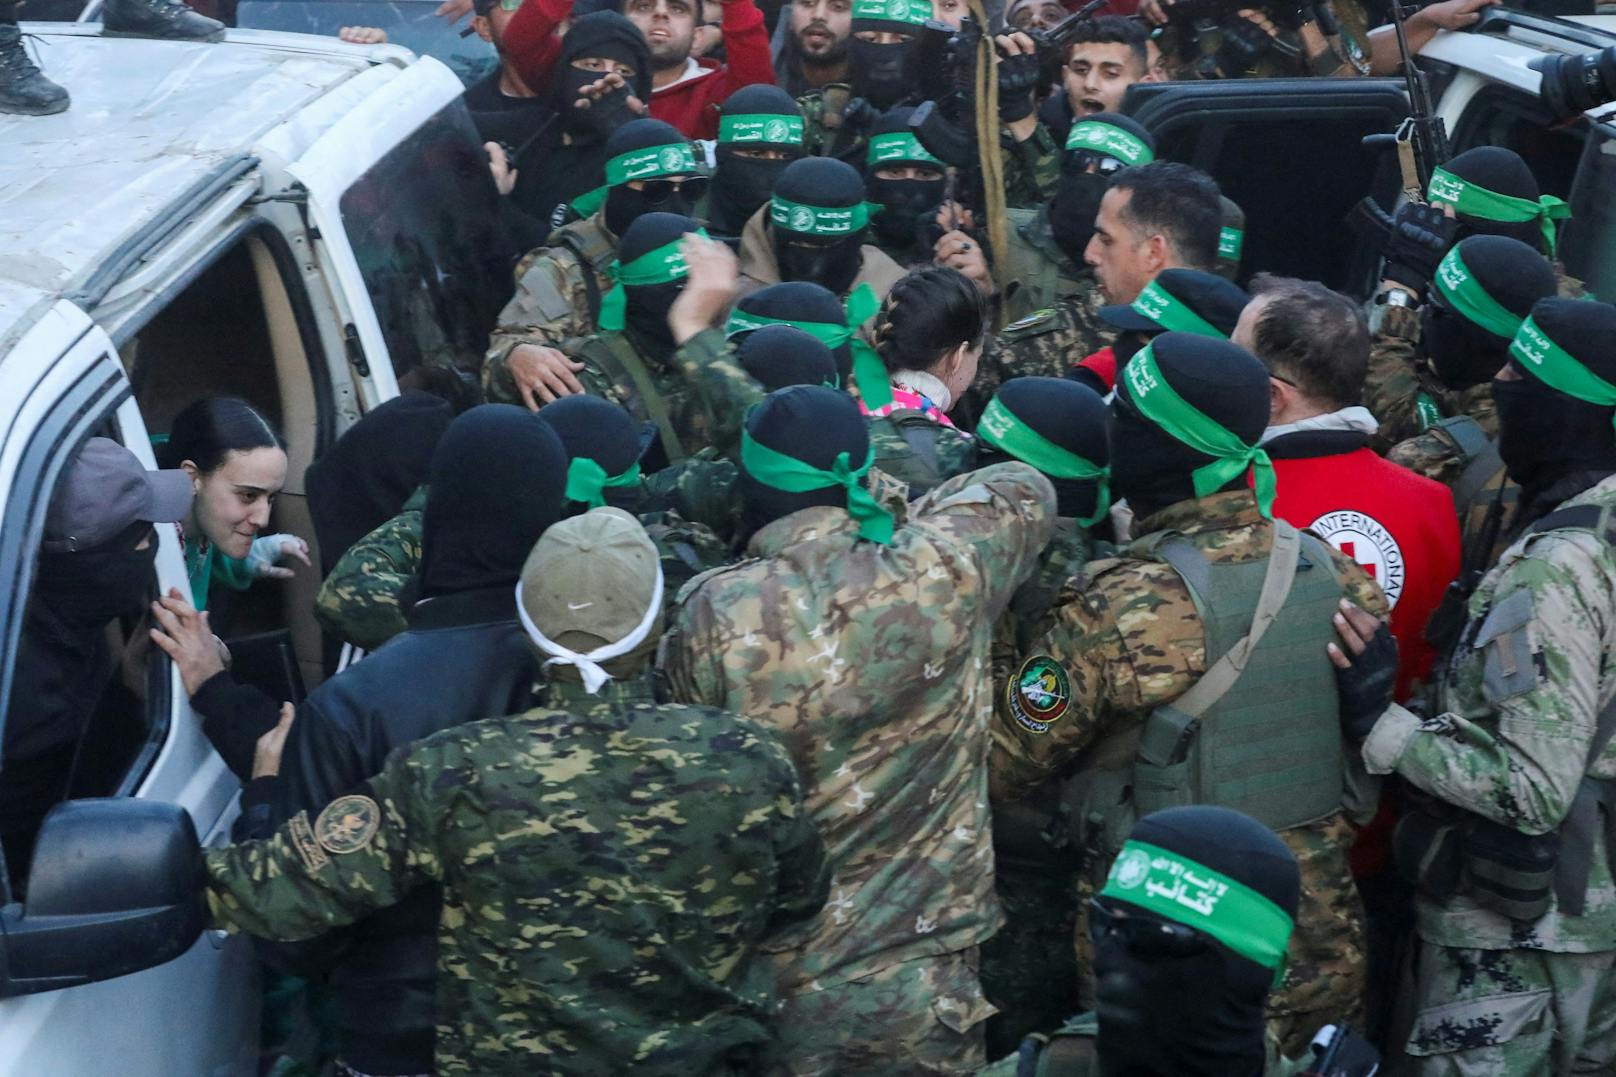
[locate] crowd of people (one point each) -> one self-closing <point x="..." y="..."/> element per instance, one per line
<point x="839" y="641"/>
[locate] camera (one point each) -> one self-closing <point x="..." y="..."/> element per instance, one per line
<point x="1573" y="84"/>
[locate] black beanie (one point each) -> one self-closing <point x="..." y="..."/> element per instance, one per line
<point x="780" y="355"/>
<point x="1464" y="353"/>
<point x="1584" y="328"/>
<point x="1510" y="271"/>
<point x="1216" y="300"/>
<point x="1230" y="844"/>
<point x="595" y="429"/>
<point x="813" y="424"/>
<point x="803" y="301"/>
<point x="760" y="99"/>
<point x="650" y="231"/>
<point x="1502" y="172"/>
<point x="642" y="133"/>
<point x="498" y="479"/>
<point x="895" y="121"/>
<point x="1070" y="415"/>
<point x="1121" y="123"/>
<point x="607" y="35"/>
<point x="821" y="181"/>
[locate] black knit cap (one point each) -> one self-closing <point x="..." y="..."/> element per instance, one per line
<point x="595" y="429"/>
<point x="1230" y="844"/>
<point x="1122" y="123"/>
<point x="606" y="35"/>
<point x="1584" y="328"/>
<point x="642" y="134"/>
<point x="780" y="355"/>
<point x="821" y="181"/>
<point x="1216" y="300"/>
<point x="1514" y="274"/>
<point x="650" y="231"/>
<point x="1068" y="414"/>
<point x="803" y="301"/>
<point x="1502" y="172"/>
<point x="760" y="99"/>
<point x="1223" y="381"/>
<point x="814" y="425"/>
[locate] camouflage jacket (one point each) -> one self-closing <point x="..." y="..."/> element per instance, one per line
<point x="359" y="602"/>
<point x="701" y="490"/>
<point x="1045" y="343"/>
<point x="872" y="662"/>
<point x="1129" y="640"/>
<point x="823" y="132"/>
<point x="918" y="451"/>
<point x="1036" y="272"/>
<point x="610" y="868"/>
<point x="1405" y="397"/>
<point x="553" y="300"/>
<point x="1515" y="723"/>
<point x="1436" y="454"/>
<point x="1031" y="169"/>
<point x="1197" y="50"/>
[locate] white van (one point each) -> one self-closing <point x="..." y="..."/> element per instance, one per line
<point x="283" y="218"/>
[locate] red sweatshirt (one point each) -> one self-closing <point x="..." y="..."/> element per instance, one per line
<point x="692" y="104"/>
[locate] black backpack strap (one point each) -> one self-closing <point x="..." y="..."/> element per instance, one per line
<point x="1481" y="459"/>
<point x="1583" y="517"/>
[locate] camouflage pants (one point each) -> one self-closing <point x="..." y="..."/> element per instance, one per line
<point x="1513" y="1013"/>
<point x="1028" y="972"/>
<point x="920" y="1017"/>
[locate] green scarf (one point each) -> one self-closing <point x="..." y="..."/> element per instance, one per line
<point x="656" y="266"/>
<point x="870" y="376"/>
<point x="1004" y="430"/>
<point x="1473" y="201"/>
<point x="782" y="472"/>
<point x="587" y="481"/>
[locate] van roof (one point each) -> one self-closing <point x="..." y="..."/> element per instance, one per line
<point x="149" y="121"/>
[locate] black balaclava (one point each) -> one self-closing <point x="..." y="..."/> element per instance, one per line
<point x="832" y="261"/>
<point x="1462" y="353"/>
<point x="1073" y="417"/>
<point x="84" y="589"/>
<point x="601" y="431"/>
<point x="908" y="203"/>
<point x="883" y="75"/>
<point x="603" y="35"/>
<point x="813" y="424"/>
<point x="1201" y="1013"/>
<point x="1544" y="435"/>
<point x="363" y="480"/>
<point x="803" y="301"/>
<point x="1151" y="468"/>
<point x="741" y="185"/>
<point x="497" y="481"/>
<point x="779" y="356"/>
<point x="1502" y="172"/>
<point x="646" y="312"/>
<point x="623" y="203"/>
<point x="1078" y="192"/>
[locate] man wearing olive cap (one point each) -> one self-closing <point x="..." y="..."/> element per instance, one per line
<point x="1132" y="686"/>
<point x="610" y="865"/>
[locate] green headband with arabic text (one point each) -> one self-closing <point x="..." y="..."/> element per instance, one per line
<point x="1460" y="289"/>
<point x="1110" y="140"/>
<point x="652" y="162"/>
<point x="898" y="146"/>
<point x="768" y="129"/>
<point x="1540" y="356"/>
<point x="912" y="12"/>
<point x="1159" y="402"/>
<point x="1171" y="313"/>
<point x="783" y="472"/>
<point x="1473" y="201"/>
<point x="656" y="266"/>
<point x="1004" y="430"/>
<point x="818" y="220"/>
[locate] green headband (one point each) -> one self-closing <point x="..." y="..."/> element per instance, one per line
<point x="656" y="266"/>
<point x="898" y="146"/>
<point x="1558" y="368"/>
<point x="1465" y="294"/>
<point x="1230" y="240"/>
<point x="767" y="128"/>
<point x="782" y="472"/>
<point x="829" y="334"/>
<point x="1160" y="403"/>
<point x="913" y="12"/>
<point x="1192" y="894"/>
<point x="1113" y="141"/>
<point x="1170" y="312"/>
<point x="818" y="220"/>
<point x="672" y="159"/>
<point x="587" y="481"/>
<point x="1467" y="198"/>
<point x="1002" y="429"/>
<point x="870" y="375"/>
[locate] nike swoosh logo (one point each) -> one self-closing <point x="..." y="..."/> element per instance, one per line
<point x="579" y="606"/>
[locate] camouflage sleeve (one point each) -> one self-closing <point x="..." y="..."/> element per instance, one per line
<point x="359" y="601"/>
<point x="551" y="304"/>
<point x="1392" y="389"/>
<point x="701" y="489"/>
<point x="726" y="390"/>
<point x="1032" y="170"/>
<point x="1359" y="588"/>
<point x="1432" y="454"/>
<point x="1520" y="761"/>
<point x="366" y="850"/>
<point x="692" y="667"/>
<point x="1006" y="513"/>
<point x="804" y="881"/>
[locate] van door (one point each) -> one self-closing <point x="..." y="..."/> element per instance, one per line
<point x="197" y="1014"/>
<point x="1290" y="153"/>
<point x="409" y="220"/>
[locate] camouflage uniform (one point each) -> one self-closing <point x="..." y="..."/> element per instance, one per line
<point x="873" y="663"/>
<point x="1045" y="343"/>
<point x="918" y="451"/>
<point x="1511" y="743"/>
<point x="610" y="868"/>
<point x="553" y="301"/>
<point x="701" y="490"/>
<point x="1032" y="170"/>
<point x="823" y="133"/>
<point x="1130" y="640"/>
<point x="1066" y="1057"/>
<point x="1192" y="51"/>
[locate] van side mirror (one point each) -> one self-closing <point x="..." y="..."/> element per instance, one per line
<point x="115" y="887"/>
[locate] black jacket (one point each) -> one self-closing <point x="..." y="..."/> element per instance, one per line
<point x="463" y="658"/>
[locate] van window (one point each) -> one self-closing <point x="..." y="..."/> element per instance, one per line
<point x="1500" y="116"/>
<point x="424" y="226"/>
<point x="1588" y="239"/>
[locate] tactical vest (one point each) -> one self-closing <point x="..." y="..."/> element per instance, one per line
<point x="1259" y="732"/>
<point x="594" y="251"/>
<point x="1482" y="508"/>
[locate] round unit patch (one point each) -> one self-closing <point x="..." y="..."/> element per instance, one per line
<point x="1131" y="868"/>
<point x="1039" y="694"/>
<point x="347" y="824"/>
<point x="1367" y="542"/>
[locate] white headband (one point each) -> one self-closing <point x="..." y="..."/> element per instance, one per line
<point x="589" y="664"/>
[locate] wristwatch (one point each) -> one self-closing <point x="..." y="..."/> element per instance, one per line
<point x="1397" y="297"/>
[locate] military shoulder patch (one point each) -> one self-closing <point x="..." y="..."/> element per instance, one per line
<point x="308" y="849"/>
<point x="347" y="824"/>
<point x="1039" y="694"/>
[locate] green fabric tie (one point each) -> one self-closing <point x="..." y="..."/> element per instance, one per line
<point x="1112" y="141"/>
<point x="1557" y="368"/>
<point x="1160" y="403"/>
<point x="1459" y="288"/>
<point x="1169" y="312"/>
<point x="1004" y="430"/>
<point x="818" y="220"/>
<point x="870" y="375"/>
<point x="587" y="481"/>
<point x="670" y="159"/>
<point x="898" y="146"/>
<point x="766" y="129"/>
<point x="656" y="266"/>
<point x="1190" y="893"/>
<point x="1473" y="201"/>
<point x="782" y="472"/>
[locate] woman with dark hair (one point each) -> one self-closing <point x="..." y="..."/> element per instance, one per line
<point x="928" y="340"/>
<point x="237" y="465"/>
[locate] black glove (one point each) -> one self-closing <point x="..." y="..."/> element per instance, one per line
<point x="609" y="112"/>
<point x="1365" y="687"/>
<point x="1018" y="77"/>
<point x="1420" y="236"/>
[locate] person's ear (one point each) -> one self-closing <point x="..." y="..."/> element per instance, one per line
<point x="190" y="468"/>
<point x="1278" y="399"/>
<point x="1159" y="251"/>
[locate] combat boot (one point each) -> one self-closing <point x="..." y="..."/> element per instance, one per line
<point x="24" y="89"/>
<point x="158" y="18"/>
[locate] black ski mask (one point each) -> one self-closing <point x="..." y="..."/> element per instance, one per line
<point x="779" y="356"/>
<point x="1462" y="353"/>
<point x="1069" y="414"/>
<point x="88" y="588"/>
<point x="1072" y="212"/>
<point x="880" y="72"/>
<point x="623" y="203"/>
<point x="1503" y="172"/>
<point x="601" y="431"/>
<point x="829" y="260"/>
<point x="603" y="35"/>
<point x="742" y="184"/>
<point x="907" y="205"/>
<point x="646" y="311"/>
